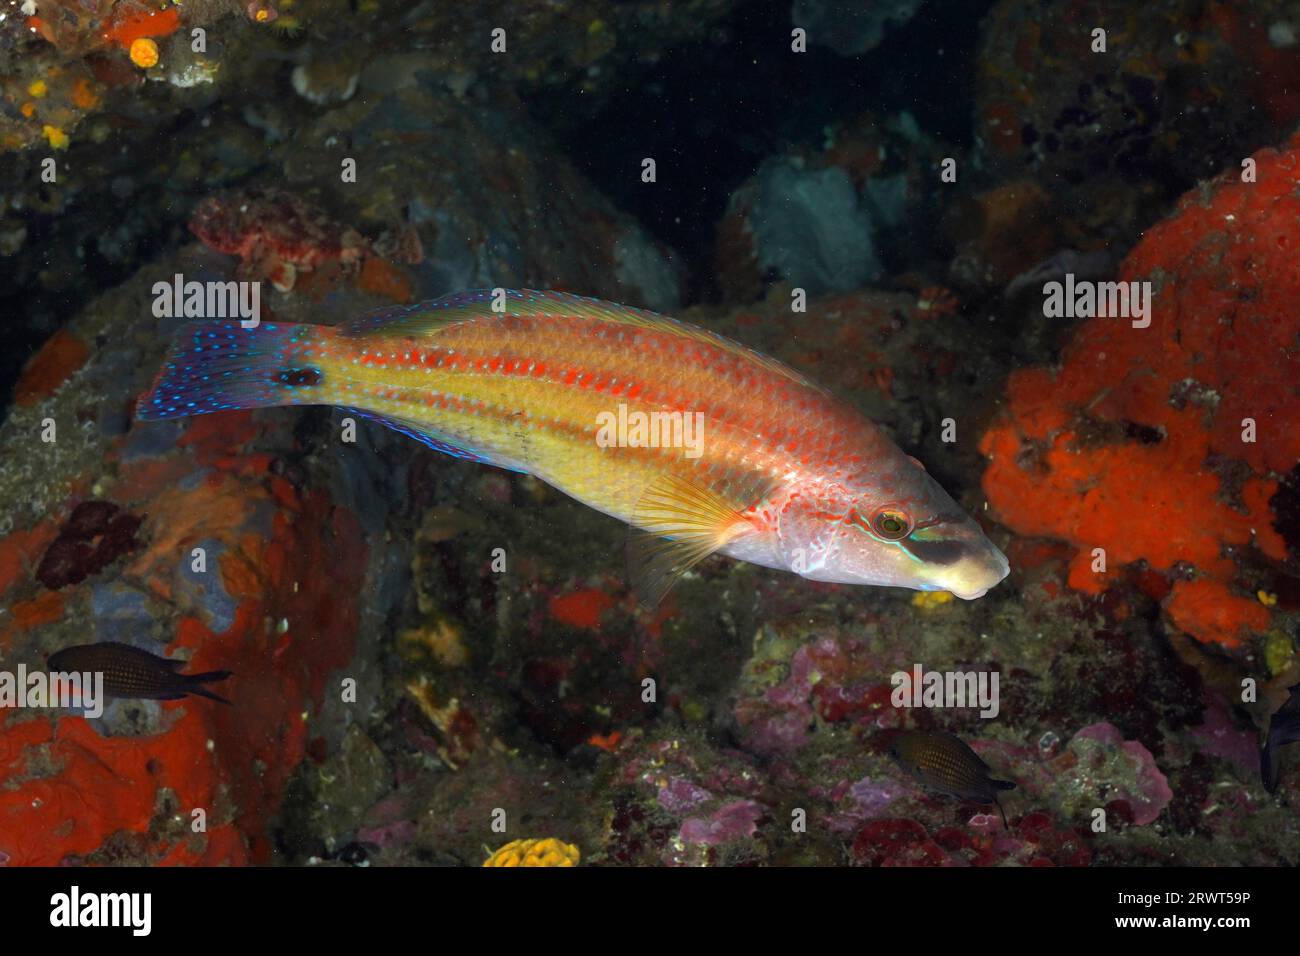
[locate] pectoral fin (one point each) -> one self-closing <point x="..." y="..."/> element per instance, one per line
<point x="677" y="523"/>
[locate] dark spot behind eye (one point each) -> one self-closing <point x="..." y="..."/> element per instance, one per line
<point x="300" y="376"/>
<point x="935" y="552"/>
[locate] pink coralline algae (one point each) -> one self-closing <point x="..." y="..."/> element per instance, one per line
<point x="1102" y="753"/>
<point x="734" y="821"/>
<point x="866" y="799"/>
<point x="872" y="796"/>
<point x="1098" y="768"/>
<point x="679" y="796"/>
<point x="393" y="834"/>
<point x="836" y="680"/>
<point x="1219" y="736"/>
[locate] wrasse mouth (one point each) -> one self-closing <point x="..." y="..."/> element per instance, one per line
<point x="980" y="575"/>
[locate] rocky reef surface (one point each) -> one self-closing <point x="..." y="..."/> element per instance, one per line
<point x="404" y="696"/>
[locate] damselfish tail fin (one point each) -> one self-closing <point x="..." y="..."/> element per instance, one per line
<point x="195" y="684"/>
<point x="215" y="366"/>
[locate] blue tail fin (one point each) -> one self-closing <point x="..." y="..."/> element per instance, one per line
<point x="214" y="366"/>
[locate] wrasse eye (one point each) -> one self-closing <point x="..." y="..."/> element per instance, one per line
<point x="891" y="524"/>
<point x="888" y="523"/>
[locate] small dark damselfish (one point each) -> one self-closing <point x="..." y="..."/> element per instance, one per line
<point x="945" y="763"/>
<point x="135" y="674"/>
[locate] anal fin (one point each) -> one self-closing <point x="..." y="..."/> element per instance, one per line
<point x="423" y="435"/>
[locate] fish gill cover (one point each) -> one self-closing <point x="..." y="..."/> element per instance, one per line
<point x="719" y="346"/>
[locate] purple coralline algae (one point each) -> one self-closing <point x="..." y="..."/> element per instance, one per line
<point x="734" y="821"/>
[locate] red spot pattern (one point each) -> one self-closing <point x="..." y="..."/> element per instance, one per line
<point x="581" y="609"/>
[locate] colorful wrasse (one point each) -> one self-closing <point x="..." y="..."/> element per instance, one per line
<point x="703" y="444"/>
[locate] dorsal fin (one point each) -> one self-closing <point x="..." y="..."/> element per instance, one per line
<point x="429" y="318"/>
<point x="419" y="318"/>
